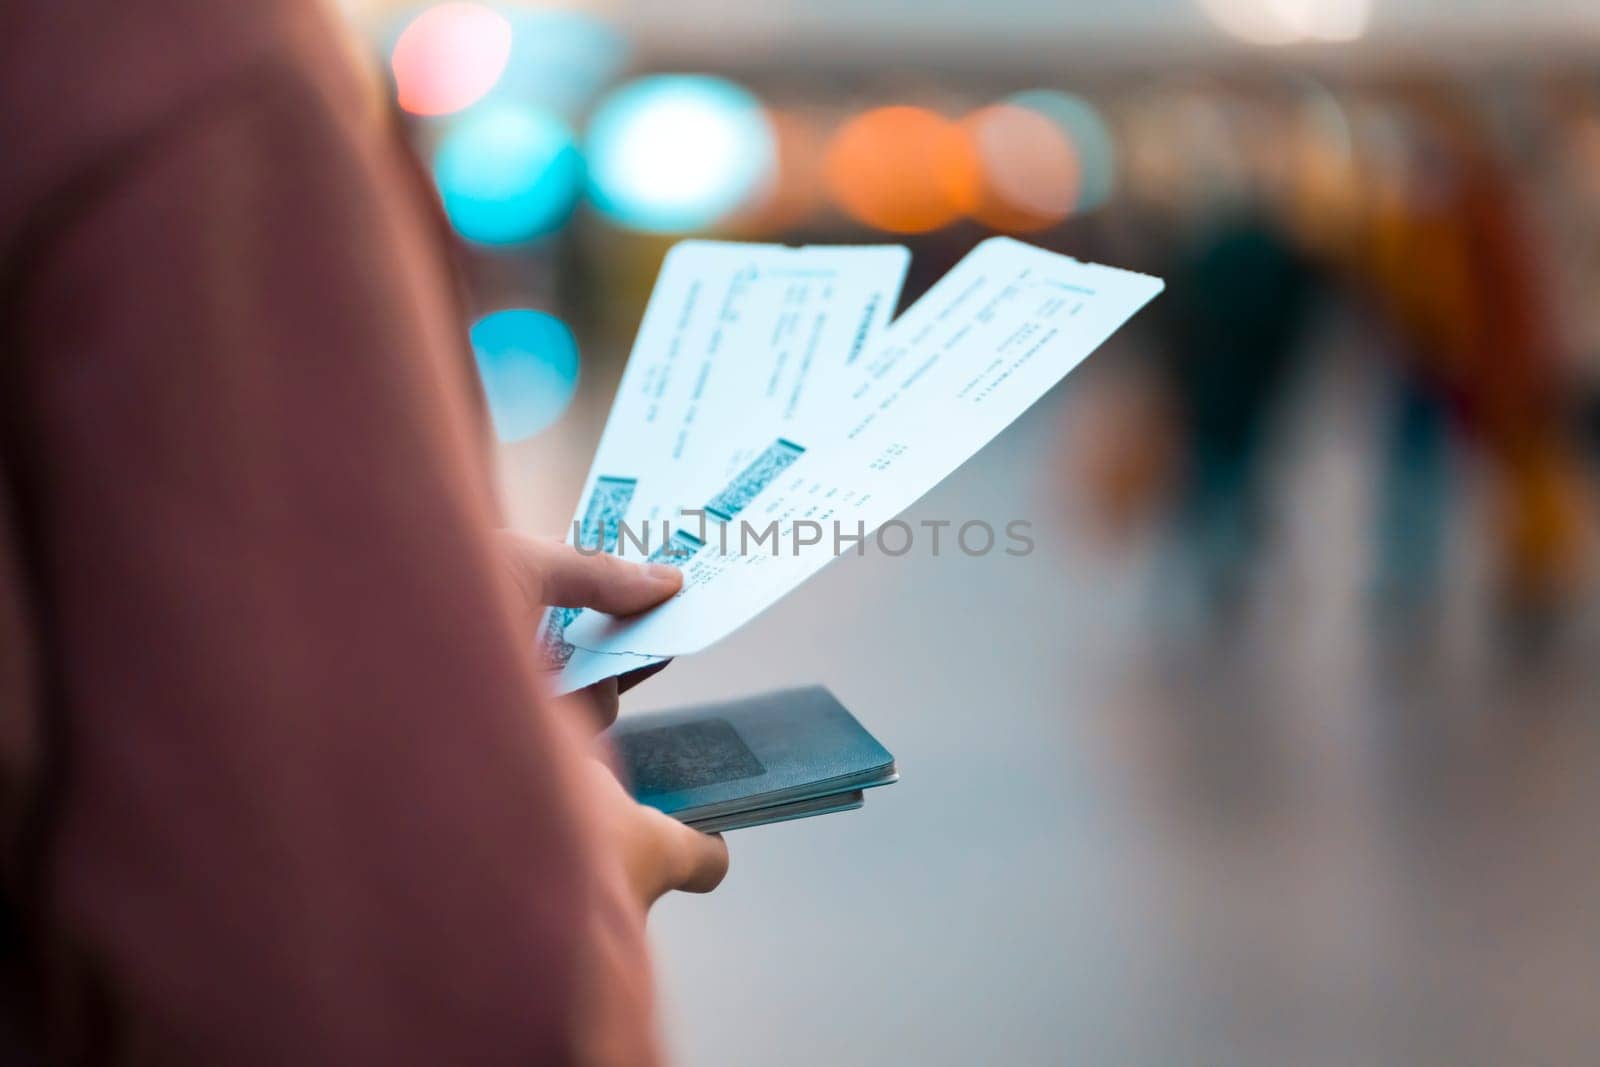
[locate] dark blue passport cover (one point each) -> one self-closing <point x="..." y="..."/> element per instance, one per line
<point x="715" y="760"/>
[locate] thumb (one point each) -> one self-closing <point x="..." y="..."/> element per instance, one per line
<point x="560" y="576"/>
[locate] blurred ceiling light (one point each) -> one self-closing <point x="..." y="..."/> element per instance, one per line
<point x="1029" y="178"/>
<point x="528" y="361"/>
<point x="1329" y="20"/>
<point x="1279" y="22"/>
<point x="449" y="57"/>
<point x="507" y="175"/>
<point x="677" y="152"/>
<point x="903" y="169"/>
<point x="1087" y="134"/>
<point x="1255" y="21"/>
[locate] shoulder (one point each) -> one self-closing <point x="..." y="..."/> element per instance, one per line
<point x="84" y="83"/>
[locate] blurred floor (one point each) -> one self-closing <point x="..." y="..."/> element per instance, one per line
<point x="1301" y="838"/>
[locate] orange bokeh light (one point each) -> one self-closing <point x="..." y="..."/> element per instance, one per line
<point x="449" y="57"/>
<point x="1029" y="169"/>
<point x="903" y="169"/>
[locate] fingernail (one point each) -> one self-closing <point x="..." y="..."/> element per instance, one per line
<point x="664" y="572"/>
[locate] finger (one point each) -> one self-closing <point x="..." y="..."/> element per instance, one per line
<point x="567" y="578"/>
<point x="598" y="703"/>
<point x="629" y="679"/>
<point x="705" y="861"/>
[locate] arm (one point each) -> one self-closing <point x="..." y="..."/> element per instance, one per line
<point x="310" y="806"/>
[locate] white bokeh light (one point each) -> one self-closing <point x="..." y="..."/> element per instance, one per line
<point x="674" y="153"/>
<point x="1281" y="22"/>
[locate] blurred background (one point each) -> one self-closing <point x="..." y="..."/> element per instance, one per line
<point x="1284" y="747"/>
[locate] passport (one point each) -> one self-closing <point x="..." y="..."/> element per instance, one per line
<point x="764" y="759"/>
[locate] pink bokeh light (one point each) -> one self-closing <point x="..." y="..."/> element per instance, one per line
<point x="449" y="57"/>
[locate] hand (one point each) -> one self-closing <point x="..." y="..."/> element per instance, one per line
<point x="552" y="574"/>
<point x="659" y="854"/>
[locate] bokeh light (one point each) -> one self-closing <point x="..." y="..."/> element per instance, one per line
<point x="903" y="169"/>
<point x="677" y="152"/>
<point x="1090" y="138"/>
<point x="1280" y="22"/>
<point x="449" y="57"/>
<point x="528" y="361"/>
<point x="507" y="175"/>
<point x="1030" y="172"/>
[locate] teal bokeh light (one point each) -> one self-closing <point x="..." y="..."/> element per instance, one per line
<point x="508" y="175"/>
<point x="677" y="152"/>
<point x="1089" y="136"/>
<point x="528" y="361"/>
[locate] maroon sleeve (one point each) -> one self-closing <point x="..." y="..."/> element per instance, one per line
<point x="305" y="803"/>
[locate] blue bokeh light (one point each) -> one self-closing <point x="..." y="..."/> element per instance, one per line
<point x="677" y="152"/>
<point x="528" y="361"/>
<point x="508" y="174"/>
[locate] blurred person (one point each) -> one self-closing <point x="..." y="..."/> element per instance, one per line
<point x="278" y="780"/>
<point x="1450" y="262"/>
<point x="1414" y="482"/>
<point x="1234" y="319"/>
<point x="1241" y="295"/>
<point x="1348" y="155"/>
